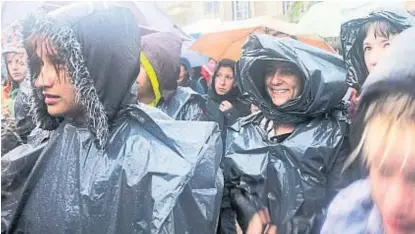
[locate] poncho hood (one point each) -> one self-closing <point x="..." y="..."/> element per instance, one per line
<point x="160" y="58"/>
<point x="102" y="59"/>
<point x="394" y="74"/>
<point x="324" y="83"/>
<point x="350" y="29"/>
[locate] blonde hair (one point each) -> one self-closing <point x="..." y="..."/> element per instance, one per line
<point x="387" y="120"/>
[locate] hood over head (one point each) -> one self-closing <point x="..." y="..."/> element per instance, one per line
<point x="324" y="74"/>
<point x="394" y="74"/>
<point x="99" y="43"/>
<point x="187" y="65"/>
<point x="233" y="93"/>
<point x="13" y="44"/>
<point x="160" y="58"/>
<point x="350" y="30"/>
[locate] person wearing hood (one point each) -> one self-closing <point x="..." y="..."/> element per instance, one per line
<point x="186" y="77"/>
<point x="14" y="58"/>
<point x="365" y="38"/>
<point x="16" y="120"/>
<point x="224" y="103"/>
<point x="104" y="167"/>
<point x="283" y="165"/>
<point x="385" y="126"/>
<point x="157" y="81"/>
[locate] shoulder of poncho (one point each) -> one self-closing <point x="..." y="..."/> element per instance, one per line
<point x="246" y="121"/>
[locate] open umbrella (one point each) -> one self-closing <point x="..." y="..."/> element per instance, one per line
<point x="227" y="40"/>
<point x="149" y="16"/>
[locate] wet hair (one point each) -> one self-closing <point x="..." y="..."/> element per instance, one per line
<point x="381" y="28"/>
<point x="387" y="119"/>
<point x="33" y="42"/>
<point x="226" y="63"/>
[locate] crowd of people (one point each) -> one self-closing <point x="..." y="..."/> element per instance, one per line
<point x="105" y="130"/>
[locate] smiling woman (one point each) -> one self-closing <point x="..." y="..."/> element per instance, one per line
<point x="283" y="81"/>
<point x="298" y="90"/>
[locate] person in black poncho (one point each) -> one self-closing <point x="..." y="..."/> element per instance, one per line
<point x="109" y="165"/>
<point x="283" y="165"/>
<point x="365" y="37"/>
<point x="225" y="104"/>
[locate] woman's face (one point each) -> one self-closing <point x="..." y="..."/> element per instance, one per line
<point x="393" y="186"/>
<point x="224" y="81"/>
<point x="374" y="47"/>
<point x="16" y="65"/>
<point x="212" y="64"/>
<point x="54" y="81"/>
<point x="182" y="74"/>
<point x="282" y="84"/>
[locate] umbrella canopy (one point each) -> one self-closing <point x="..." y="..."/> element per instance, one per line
<point x="227" y="40"/>
<point x="325" y="18"/>
<point x="149" y="16"/>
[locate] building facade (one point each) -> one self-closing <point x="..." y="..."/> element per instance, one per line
<point x="188" y="12"/>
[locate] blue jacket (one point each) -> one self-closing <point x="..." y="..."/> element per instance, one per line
<point x="353" y="211"/>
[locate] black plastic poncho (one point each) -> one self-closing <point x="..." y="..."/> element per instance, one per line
<point x="296" y="178"/>
<point x="186" y="104"/>
<point x="239" y="108"/>
<point x="353" y="52"/>
<point x="120" y="170"/>
<point x="162" y="51"/>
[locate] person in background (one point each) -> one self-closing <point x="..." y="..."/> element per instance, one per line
<point x="186" y="77"/>
<point x="385" y="123"/>
<point x="206" y="72"/>
<point x="157" y="80"/>
<point x="14" y="57"/>
<point x="365" y="40"/>
<point x="225" y="104"/>
<point x="283" y="165"/>
<point x="17" y="122"/>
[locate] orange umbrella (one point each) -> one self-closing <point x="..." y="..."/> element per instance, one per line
<point x="228" y="44"/>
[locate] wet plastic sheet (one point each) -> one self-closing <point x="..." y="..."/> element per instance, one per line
<point x="151" y="179"/>
<point x="297" y="178"/>
<point x="185" y="104"/>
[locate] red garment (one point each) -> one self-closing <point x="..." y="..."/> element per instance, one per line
<point x="206" y="73"/>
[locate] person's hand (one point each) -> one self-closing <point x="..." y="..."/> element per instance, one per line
<point x="261" y="223"/>
<point x="225" y="105"/>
